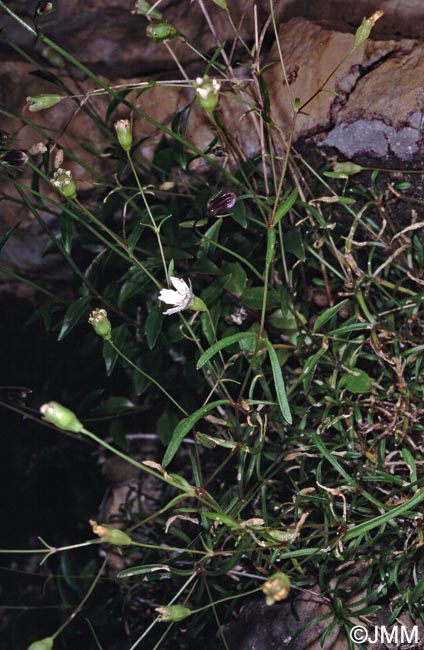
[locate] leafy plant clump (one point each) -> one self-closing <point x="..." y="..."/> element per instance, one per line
<point x="261" y="322"/>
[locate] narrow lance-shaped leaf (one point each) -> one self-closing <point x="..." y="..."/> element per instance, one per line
<point x="184" y="426"/>
<point x="279" y="382"/>
<point x="220" y="345"/>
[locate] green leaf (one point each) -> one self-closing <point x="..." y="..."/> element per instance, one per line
<point x="414" y="595"/>
<point x="73" y="316"/>
<point x="184" y="426"/>
<point x="135" y="236"/>
<point x="238" y="278"/>
<point x="8" y="234"/>
<point x="113" y="405"/>
<point x="279" y="382"/>
<point x="286" y="205"/>
<point x="293" y="243"/>
<point x="254" y="296"/>
<point x="67" y="231"/>
<point x="310" y="366"/>
<point x="142" y="570"/>
<point x="121" y="338"/>
<point x="327" y="314"/>
<point x="221" y="3"/>
<point x="358" y="382"/>
<point x="153" y="325"/>
<point x="220" y="345"/>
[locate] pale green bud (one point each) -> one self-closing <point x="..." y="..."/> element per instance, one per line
<point x="101" y="324"/>
<point x="40" y="102"/>
<point x="207" y="91"/>
<point x="64" y="183"/>
<point x="161" y="32"/>
<point x="42" y="644"/>
<point x="123" y="133"/>
<point x="364" y="29"/>
<point x="173" y="613"/>
<point x="276" y="588"/>
<point x="61" y="417"/>
<point x="110" y="534"/>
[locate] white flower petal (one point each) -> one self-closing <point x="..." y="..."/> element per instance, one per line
<point x="169" y="296"/>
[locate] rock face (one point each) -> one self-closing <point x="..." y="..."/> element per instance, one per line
<point x="373" y="112"/>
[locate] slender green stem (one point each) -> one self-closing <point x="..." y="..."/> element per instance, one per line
<point x="156" y="229"/>
<point x="149" y="377"/>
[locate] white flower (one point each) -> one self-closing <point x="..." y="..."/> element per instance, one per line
<point x="181" y="298"/>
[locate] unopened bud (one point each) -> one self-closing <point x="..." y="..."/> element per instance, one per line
<point x="44" y="8"/>
<point x="64" y="183"/>
<point x="40" y="102"/>
<point x="145" y="9"/>
<point x="61" y="417"/>
<point x="276" y="588"/>
<point x="42" y="644"/>
<point x="123" y="133"/>
<point x="207" y="91"/>
<point x="101" y="324"/>
<point x="364" y="29"/>
<point x="110" y="534"/>
<point x="15" y="157"/>
<point x="161" y="32"/>
<point x="173" y="613"/>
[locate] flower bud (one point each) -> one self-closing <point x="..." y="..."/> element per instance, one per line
<point x="42" y="644"/>
<point x="40" y="102"/>
<point x="276" y="588"/>
<point x="172" y="613"/>
<point x="64" y="183"/>
<point x="161" y="32"/>
<point x="145" y="9"/>
<point x="110" y="534"/>
<point x="61" y="417"/>
<point x="364" y="29"/>
<point x="15" y="157"/>
<point x="54" y="58"/>
<point x="123" y="133"/>
<point x="101" y="324"/>
<point x="44" y="8"/>
<point x="207" y="91"/>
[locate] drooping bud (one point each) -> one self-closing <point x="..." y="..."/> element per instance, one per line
<point x="276" y="588"/>
<point x="110" y="534"/>
<point x="220" y="204"/>
<point x="53" y="57"/>
<point x="40" y="102"/>
<point x="42" y="644"/>
<point x="101" y="324"/>
<point x="161" y="32"/>
<point x="364" y="29"/>
<point x="15" y="157"/>
<point x="123" y="133"/>
<point x="64" y="183"/>
<point x="145" y="9"/>
<point x="44" y="8"/>
<point x="172" y="613"/>
<point x="61" y="417"/>
<point x="207" y="91"/>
